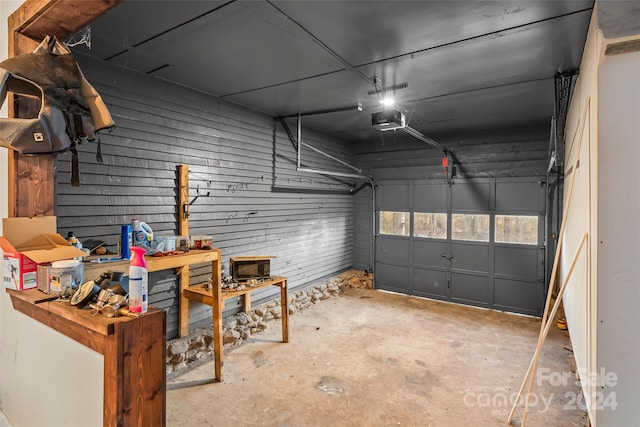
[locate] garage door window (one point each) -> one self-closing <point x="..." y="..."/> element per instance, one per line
<point x="470" y="227"/>
<point x="432" y="225"/>
<point x="518" y="229"/>
<point x="394" y="223"/>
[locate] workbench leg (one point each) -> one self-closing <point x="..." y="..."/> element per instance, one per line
<point x="183" y="316"/>
<point x="247" y="302"/>
<point x="218" y="305"/>
<point x="284" y="303"/>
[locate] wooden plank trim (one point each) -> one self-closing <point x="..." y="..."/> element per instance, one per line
<point x="195" y="256"/>
<point x="79" y="326"/>
<point x="38" y="18"/>
<point x="183" y="200"/>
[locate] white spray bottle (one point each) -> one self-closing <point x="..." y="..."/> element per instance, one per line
<point x="138" y="281"/>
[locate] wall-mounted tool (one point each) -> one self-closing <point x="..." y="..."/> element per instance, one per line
<point x="198" y="195"/>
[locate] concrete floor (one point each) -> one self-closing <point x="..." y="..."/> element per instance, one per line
<point x="370" y="358"/>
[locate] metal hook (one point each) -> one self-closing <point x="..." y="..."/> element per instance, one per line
<point x="198" y="194"/>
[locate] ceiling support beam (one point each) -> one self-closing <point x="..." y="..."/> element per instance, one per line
<point x="38" y="18"/>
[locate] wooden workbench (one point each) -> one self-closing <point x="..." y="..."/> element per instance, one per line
<point x="180" y="262"/>
<point x="133" y="350"/>
<point x="215" y="297"/>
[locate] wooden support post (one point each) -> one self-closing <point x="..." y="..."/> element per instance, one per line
<point x="32" y="178"/>
<point x="183" y="230"/>
<point x="218" y="346"/>
<point x="183" y="317"/>
<point x="284" y="304"/>
<point x="246" y="307"/>
<point x="183" y="200"/>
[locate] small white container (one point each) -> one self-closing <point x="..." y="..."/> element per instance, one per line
<point x="65" y="276"/>
<point x="170" y="244"/>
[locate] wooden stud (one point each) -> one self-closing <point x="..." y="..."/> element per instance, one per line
<point x="183" y="200"/>
<point x="183" y="230"/>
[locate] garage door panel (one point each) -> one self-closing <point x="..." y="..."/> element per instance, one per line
<point x="392" y="277"/>
<point x="392" y="250"/>
<point x="471" y="196"/>
<point x="429" y="283"/>
<point x="518" y="196"/>
<point x="518" y="295"/>
<point x="430" y="197"/>
<point x="468" y="288"/>
<point x="429" y="254"/>
<point x="516" y="261"/>
<point x="393" y="196"/>
<point x="470" y="257"/>
<point x="485" y="253"/>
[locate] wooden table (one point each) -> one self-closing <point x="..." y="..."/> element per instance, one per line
<point x="180" y="262"/>
<point x="215" y="297"/>
<point x="133" y="350"/>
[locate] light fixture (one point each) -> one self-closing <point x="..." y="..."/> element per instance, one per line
<point x="388" y="101"/>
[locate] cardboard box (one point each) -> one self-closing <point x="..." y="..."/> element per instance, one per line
<point x="28" y="242"/>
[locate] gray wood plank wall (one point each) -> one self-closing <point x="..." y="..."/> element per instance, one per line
<point x="242" y="167"/>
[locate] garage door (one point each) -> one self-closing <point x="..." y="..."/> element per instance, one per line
<point x="476" y="242"/>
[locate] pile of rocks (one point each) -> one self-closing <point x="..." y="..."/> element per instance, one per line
<point x="197" y="347"/>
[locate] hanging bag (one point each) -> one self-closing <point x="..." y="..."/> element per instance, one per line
<point x="71" y="111"/>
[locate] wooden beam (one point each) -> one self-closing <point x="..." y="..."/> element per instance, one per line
<point x="32" y="178"/>
<point x="183" y="230"/>
<point x="183" y="200"/>
<point x="61" y="18"/>
<point x="32" y="185"/>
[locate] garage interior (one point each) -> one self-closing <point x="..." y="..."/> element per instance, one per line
<point x="511" y="137"/>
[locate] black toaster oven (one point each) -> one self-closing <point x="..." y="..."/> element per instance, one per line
<point x="250" y="267"/>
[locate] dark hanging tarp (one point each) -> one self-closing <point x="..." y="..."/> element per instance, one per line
<point x="71" y="111"/>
